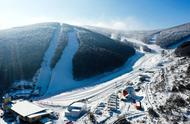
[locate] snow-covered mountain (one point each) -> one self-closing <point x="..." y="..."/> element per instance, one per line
<point x="22" y="50"/>
<point x="53" y="53"/>
<point x="164" y="38"/>
<point x="122" y="76"/>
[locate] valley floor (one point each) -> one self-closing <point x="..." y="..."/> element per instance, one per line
<point x="149" y="74"/>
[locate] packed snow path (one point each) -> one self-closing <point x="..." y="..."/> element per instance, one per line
<point x="62" y="76"/>
<point x="45" y="71"/>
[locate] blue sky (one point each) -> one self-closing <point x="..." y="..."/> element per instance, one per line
<point x="118" y="14"/>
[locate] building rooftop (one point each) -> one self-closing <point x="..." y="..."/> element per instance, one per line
<point x="26" y="108"/>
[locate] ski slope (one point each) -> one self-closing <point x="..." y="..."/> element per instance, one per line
<point x="62" y="76"/>
<point x="45" y="70"/>
<point x="152" y="46"/>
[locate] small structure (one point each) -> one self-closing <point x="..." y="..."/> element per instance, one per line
<point x="76" y="110"/>
<point x="138" y="105"/>
<point x="125" y="93"/>
<point x="143" y="78"/>
<point x="130" y="90"/>
<point x="113" y="103"/>
<point x="29" y="112"/>
<point x="131" y="94"/>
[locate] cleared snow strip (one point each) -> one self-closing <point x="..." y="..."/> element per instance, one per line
<point x="45" y="71"/>
<point x="62" y="77"/>
<point x="154" y="47"/>
<point x="153" y="39"/>
<point x="148" y="61"/>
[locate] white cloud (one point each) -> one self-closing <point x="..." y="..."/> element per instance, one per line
<point x="130" y="23"/>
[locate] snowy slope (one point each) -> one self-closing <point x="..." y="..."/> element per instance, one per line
<point x="45" y="71"/>
<point x="152" y="46"/>
<point x="62" y="76"/>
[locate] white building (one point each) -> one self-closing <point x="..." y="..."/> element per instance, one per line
<point x="29" y="112"/>
<point x="76" y="109"/>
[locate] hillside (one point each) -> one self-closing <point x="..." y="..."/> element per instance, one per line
<point x="98" y="54"/>
<point x="72" y="64"/>
<point x="22" y="50"/>
<point x="183" y="49"/>
<point x="165" y="38"/>
<point x="173" y="35"/>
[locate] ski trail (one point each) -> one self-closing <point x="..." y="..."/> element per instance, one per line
<point x="62" y="75"/>
<point x="45" y="70"/>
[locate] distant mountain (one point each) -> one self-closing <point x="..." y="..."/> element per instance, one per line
<point x="162" y="37"/>
<point x="118" y="34"/>
<point x="121" y="35"/>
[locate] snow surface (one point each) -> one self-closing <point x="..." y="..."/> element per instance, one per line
<point x="152" y="46"/>
<point x="45" y="70"/>
<point x="62" y="76"/>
